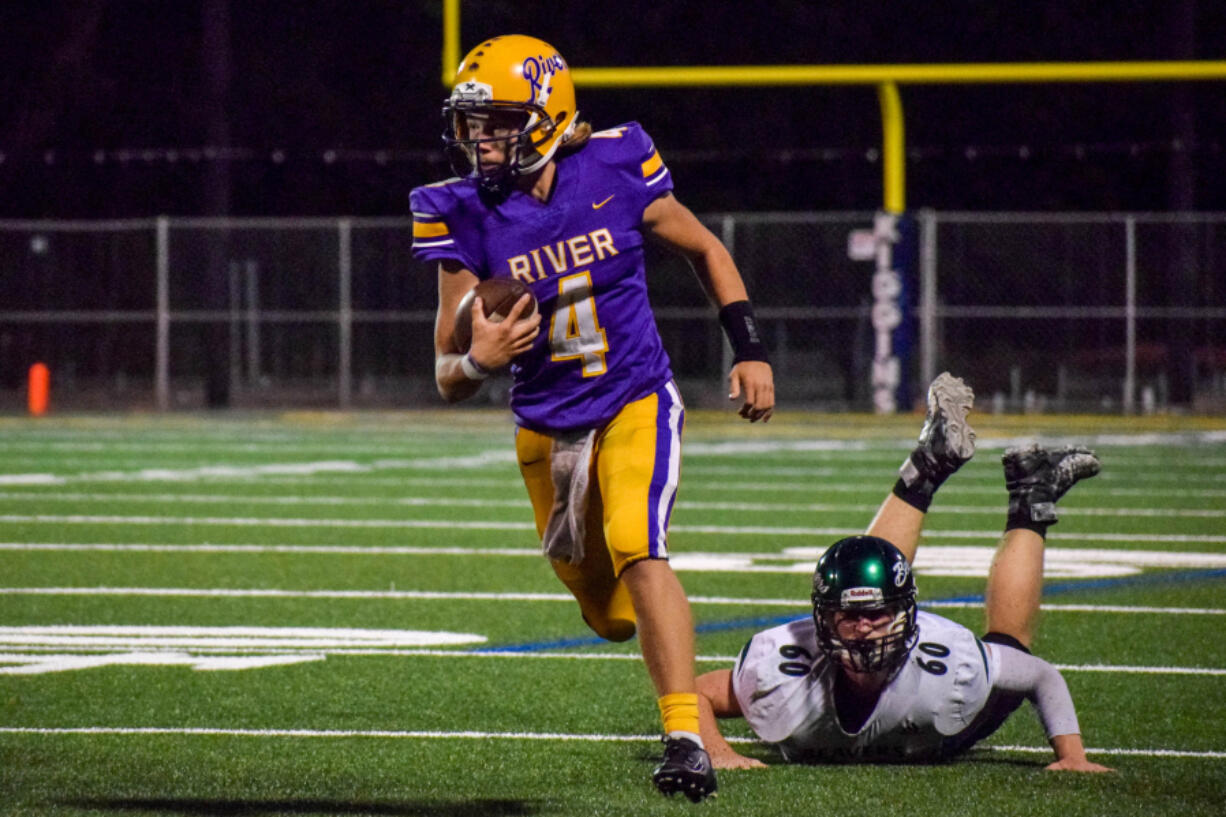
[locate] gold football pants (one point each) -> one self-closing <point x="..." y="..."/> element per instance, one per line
<point x="635" y="468"/>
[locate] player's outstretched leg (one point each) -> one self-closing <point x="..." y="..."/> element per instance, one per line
<point x="1036" y="478"/>
<point x="946" y="441"/>
<point x="686" y="768"/>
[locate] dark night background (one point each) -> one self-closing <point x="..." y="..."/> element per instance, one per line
<point x="141" y="107"/>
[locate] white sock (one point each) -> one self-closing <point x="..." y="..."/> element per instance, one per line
<point x="678" y="733"/>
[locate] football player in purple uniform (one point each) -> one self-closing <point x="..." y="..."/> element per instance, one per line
<point x="867" y="676"/>
<point x="544" y="199"/>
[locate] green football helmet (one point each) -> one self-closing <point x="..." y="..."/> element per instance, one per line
<point x="865" y="574"/>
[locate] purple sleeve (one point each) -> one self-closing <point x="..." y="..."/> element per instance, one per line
<point x="436" y="235"/>
<point x="657" y="180"/>
<point x="636" y="159"/>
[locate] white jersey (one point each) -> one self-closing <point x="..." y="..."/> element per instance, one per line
<point x="785" y="686"/>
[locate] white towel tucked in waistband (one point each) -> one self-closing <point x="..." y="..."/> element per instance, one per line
<point x="570" y="463"/>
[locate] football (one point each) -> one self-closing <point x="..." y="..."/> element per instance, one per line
<point x="498" y="295"/>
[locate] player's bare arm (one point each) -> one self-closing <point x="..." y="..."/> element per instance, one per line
<point x="1071" y="756"/>
<point x="494" y="345"/>
<point x="671" y="222"/>
<point x="717" y="700"/>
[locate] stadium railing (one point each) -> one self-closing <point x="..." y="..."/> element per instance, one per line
<point x="1111" y="312"/>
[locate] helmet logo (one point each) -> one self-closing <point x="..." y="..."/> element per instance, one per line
<point x="538" y="71"/>
<point x="472" y="91"/>
<point x="862" y="595"/>
<point x="901" y="571"/>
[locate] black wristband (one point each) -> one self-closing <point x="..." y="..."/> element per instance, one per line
<point x="742" y="331"/>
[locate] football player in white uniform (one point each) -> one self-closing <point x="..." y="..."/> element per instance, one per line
<point x="870" y="677"/>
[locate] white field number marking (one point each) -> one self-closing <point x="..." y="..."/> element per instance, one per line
<point x="31" y="650"/>
<point x="944" y="560"/>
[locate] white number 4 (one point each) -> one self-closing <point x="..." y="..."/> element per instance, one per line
<point x="574" y="331"/>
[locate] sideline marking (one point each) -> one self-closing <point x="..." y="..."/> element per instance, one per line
<point x="472" y="735"/>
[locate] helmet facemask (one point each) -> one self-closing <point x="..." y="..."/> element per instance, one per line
<point x="879" y="654"/>
<point x="518" y="128"/>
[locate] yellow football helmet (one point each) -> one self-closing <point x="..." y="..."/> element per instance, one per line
<point x="515" y="90"/>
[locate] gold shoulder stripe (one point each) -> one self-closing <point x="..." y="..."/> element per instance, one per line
<point x="429" y="229"/>
<point x="652" y="165"/>
<point x="611" y="133"/>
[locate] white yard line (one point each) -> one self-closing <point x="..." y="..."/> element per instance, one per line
<point x="281" y="500"/>
<point x="366" y="479"/>
<point x="1157" y="473"/>
<point x="477" y="735"/>
<point x="150" y="652"/>
<point x="1093" y="608"/>
<point x="267" y="593"/>
<point x="470" y="502"/>
<point x="436" y="595"/>
<point x="348" y="550"/>
<point x="272" y="522"/>
<point x="352" y="474"/>
<point x="452" y="524"/>
<point x="877" y="449"/>
<point x="1046" y="750"/>
<point x="1061" y="562"/>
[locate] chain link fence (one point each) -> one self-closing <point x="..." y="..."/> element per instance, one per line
<point x="1040" y="312"/>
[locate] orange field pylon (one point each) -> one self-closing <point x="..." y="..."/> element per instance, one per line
<point x="40" y="389"/>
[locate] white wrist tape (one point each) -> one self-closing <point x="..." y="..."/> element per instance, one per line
<point x="472" y="369"/>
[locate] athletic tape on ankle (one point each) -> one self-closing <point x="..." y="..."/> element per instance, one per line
<point x="1020" y="522"/>
<point x="914" y="495"/>
<point x="679" y="712"/>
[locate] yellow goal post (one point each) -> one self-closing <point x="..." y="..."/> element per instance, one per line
<point x="885" y="77"/>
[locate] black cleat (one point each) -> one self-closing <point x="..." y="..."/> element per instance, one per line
<point x="1036" y="478"/>
<point x="686" y="768"/>
<point x="946" y="441"/>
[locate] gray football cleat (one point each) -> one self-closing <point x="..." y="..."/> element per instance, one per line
<point x="1036" y="478"/>
<point x="946" y="441"/>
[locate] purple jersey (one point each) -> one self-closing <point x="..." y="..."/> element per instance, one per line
<point x="582" y="256"/>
